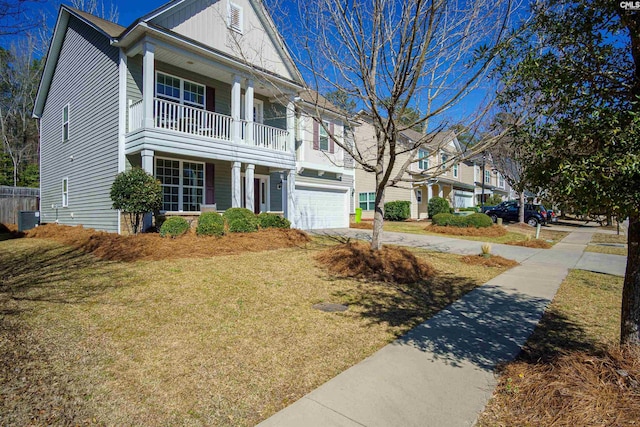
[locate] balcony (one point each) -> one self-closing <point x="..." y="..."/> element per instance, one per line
<point x="176" y="117"/>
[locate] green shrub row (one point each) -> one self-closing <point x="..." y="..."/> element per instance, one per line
<point x="237" y="220"/>
<point x="476" y="220"/>
<point x="397" y="211"/>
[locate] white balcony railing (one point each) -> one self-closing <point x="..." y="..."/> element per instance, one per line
<point x="135" y="115"/>
<point x="270" y="137"/>
<point x="196" y="121"/>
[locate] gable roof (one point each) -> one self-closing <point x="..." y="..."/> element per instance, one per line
<point x="115" y="33"/>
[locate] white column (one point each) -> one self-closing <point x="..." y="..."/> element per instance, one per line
<point x="429" y="192"/>
<point x="248" y="187"/>
<point x="291" y="192"/>
<point x="147" y="166"/>
<point x="148" y="80"/>
<point x="291" y="124"/>
<point x="440" y="191"/>
<point x="236" y="136"/>
<point x="248" y="112"/>
<point x="236" y="189"/>
<point x="147" y="161"/>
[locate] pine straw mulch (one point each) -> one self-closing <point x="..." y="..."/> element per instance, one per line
<point x="152" y="247"/>
<point x="389" y="264"/>
<point x="533" y="243"/>
<point x="576" y="389"/>
<point x="493" y="231"/>
<point x="492" y="261"/>
<point x="362" y="225"/>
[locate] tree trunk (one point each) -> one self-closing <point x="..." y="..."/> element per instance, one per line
<point x="521" y="208"/>
<point x="378" y="219"/>
<point x="630" y="319"/>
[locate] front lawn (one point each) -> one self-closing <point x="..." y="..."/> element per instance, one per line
<point x="207" y="340"/>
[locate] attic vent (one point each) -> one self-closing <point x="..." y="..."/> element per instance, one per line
<point x="235" y="17"/>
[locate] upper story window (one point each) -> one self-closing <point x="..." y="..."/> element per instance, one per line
<point x="324" y="136"/>
<point x="179" y="90"/>
<point x="501" y="180"/>
<point x="487" y="177"/>
<point x="455" y="170"/>
<point x="235" y="17"/>
<point x="65" y="123"/>
<point x="444" y="158"/>
<point x="423" y="162"/>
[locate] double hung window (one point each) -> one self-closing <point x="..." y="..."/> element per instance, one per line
<point x="182" y="184"/>
<point x="179" y="90"/>
<point x="423" y="162"/>
<point x="323" y="136"/>
<point x="367" y="201"/>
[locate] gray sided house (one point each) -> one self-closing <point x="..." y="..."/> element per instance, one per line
<point x="203" y="95"/>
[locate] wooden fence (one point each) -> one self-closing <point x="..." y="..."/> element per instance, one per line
<point x="16" y="199"/>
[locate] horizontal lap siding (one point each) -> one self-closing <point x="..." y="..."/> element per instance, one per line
<point x="86" y="77"/>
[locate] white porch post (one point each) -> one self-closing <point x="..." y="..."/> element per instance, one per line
<point x="248" y="112"/>
<point x="147" y="166"/>
<point x="429" y="192"/>
<point x="291" y="127"/>
<point x="236" y="135"/>
<point x="291" y="192"/>
<point x="148" y="50"/>
<point x="236" y="190"/>
<point x="440" y="191"/>
<point x="248" y="187"/>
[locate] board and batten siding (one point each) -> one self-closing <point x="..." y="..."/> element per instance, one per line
<point x="86" y="78"/>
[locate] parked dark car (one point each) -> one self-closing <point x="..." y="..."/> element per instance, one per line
<point x="508" y="211"/>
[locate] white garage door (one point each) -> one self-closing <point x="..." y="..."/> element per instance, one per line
<point x="321" y="208"/>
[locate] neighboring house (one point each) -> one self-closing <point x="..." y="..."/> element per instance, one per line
<point x="202" y="94"/>
<point x="491" y="182"/>
<point x="435" y="172"/>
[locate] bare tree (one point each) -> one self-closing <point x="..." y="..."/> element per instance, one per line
<point x="19" y="78"/>
<point x="507" y="155"/>
<point x="395" y="59"/>
<point x="15" y="16"/>
<point x="97" y="8"/>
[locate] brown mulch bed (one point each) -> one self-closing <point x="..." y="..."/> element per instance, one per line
<point x="492" y="261"/>
<point x="362" y="225"/>
<point x="493" y="231"/>
<point x="533" y="243"/>
<point x="152" y="247"/>
<point x="576" y="389"/>
<point x="389" y="264"/>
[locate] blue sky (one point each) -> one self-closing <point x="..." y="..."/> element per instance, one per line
<point x="130" y="10"/>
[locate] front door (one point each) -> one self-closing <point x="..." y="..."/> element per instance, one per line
<point x="260" y="194"/>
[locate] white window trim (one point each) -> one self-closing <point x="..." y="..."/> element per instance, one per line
<point x="65" y="194"/>
<point x="181" y="100"/>
<point x="181" y="183"/>
<point x="68" y="108"/>
<point x="324" y="127"/>
<point x="487" y="177"/>
<point x="444" y="158"/>
<point x="455" y="170"/>
<point x="237" y="28"/>
<point x="423" y="160"/>
<point x="368" y="193"/>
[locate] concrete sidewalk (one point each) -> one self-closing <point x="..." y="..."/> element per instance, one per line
<point x="442" y="372"/>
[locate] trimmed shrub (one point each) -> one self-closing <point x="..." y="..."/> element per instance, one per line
<point x="478" y="220"/>
<point x="397" y="211"/>
<point x="438" y="205"/>
<point x="210" y="224"/>
<point x="136" y="193"/>
<point x="241" y="220"/>
<point x="443" y="219"/>
<point x="269" y="220"/>
<point x="471" y="209"/>
<point x="174" y="226"/>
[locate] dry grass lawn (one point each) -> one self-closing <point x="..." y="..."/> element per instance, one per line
<point x="222" y="340"/>
<point x="571" y="371"/>
<point x="609" y="238"/>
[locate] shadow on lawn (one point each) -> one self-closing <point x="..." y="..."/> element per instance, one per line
<point x="57" y="274"/>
